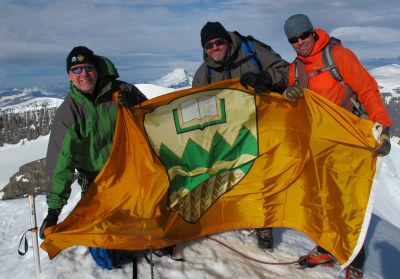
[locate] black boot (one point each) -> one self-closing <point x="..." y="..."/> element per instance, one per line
<point x="265" y="239"/>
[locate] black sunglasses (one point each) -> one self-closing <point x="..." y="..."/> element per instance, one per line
<point x="218" y="42"/>
<point x="303" y="36"/>
<point x="77" y="70"/>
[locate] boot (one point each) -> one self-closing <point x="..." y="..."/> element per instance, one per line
<point x="353" y="273"/>
<point x="265" y="239"/>
<point x="316" y="258"/>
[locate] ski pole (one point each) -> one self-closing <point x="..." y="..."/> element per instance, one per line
<point x="34" y="231"/>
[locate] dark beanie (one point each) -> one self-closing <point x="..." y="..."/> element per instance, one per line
<point x="213" y="30"/>
<point x="80" y="55"/>
<point x="296" y="25"/>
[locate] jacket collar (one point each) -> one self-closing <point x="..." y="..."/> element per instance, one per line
<point x="320" y="43"/>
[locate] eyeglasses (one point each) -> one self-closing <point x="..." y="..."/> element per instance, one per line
<point x="77" y="70"/>
<point x="218" y="42"/>
<point x="303" y="36"/>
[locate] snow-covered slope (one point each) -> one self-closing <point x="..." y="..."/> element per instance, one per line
<point x="178" y="78"/>
<point x="388" y="78"/>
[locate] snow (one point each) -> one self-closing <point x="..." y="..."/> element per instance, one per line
<point x="388" y="78"/>
<point x="34" y="104"/>
<point x="204" y="257"/>
<point x="175" y="77"/>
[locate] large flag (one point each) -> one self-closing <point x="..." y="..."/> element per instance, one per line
<point x="216" y="158"/>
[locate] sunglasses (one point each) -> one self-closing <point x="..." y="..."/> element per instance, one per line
<point x="77" y="70"/>
<point x="303" y="36"/>
<point x="218" y="42"/>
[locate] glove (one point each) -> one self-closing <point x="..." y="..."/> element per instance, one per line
<point x="384" y="148"/>
<point x="261" y="82"/>
<point x="292" y="93"/>
<point x="127" y="97"/>
<point x="50" y="220"/>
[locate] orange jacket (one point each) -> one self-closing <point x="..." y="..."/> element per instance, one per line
<point x="353" y="73"/>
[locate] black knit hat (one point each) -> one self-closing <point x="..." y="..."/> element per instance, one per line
<point x="213" y="30"/>
<point x="80" y="55"/>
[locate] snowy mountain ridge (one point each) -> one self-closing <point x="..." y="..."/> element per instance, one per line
<point x="388" y="78"/>
<point x="176" y="79"/>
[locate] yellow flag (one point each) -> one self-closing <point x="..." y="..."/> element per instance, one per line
<point x="217" y="158"/>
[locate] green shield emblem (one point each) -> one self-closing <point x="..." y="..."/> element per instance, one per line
<point x="207" y="141"/>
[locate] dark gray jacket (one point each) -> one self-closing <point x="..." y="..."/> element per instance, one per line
<point x="238" y="63"/>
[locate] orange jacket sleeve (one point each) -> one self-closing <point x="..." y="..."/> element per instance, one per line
<point x="357" y="77"/>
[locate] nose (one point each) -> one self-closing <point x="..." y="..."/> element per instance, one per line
<point x="84" y="71"/>
<point x="215" y="46"/>
<point x="300" y="41"/>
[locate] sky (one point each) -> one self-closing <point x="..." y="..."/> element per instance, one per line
<point x="204" y="257"/>
<point x="148" y="39"/>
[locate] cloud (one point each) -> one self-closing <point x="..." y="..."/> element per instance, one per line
<point x="379" y="35"/>
<point x="151" y="37"/>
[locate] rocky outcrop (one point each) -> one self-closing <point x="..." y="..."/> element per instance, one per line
<point x="30" y="124"/>
<point x="30" y="179"/>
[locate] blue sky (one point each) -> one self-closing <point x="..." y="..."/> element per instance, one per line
<point x="148" y="39"/>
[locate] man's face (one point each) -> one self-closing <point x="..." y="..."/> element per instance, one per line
<point x="217" y="49"/>
<point x="303" y="44"/>
<point x="84" y="77"/>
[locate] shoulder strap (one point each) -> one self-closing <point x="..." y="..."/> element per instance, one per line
<point x="300" y="75"/>
<point x="349" y="101"/>
<point x="249" y="49"/>
<point x="208" y="74"/>
<point x="330" y="62"/>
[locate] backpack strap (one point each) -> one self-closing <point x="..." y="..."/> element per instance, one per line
<point x="330" y="62"/>
<point x="300" y="76"/>
<point x="349" y="101"/>
<point x="249" y="50"/>
<point x="208" y="74"/>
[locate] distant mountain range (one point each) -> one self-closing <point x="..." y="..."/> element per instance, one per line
<point x="27" y="113"/>
<point x="178" y="78"/>
<point x="14" y="96"/>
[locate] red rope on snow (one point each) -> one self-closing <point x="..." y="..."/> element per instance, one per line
<point x="256" y="260"/>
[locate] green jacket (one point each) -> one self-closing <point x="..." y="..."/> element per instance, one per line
<point x="82" y="133"/>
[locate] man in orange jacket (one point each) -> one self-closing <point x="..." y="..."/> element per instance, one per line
<point x="357" y="88"/>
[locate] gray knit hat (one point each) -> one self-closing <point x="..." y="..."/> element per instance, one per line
<point x="297" y="24"/>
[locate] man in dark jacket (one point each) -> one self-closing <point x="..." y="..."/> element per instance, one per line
<point x="83" y="128"/>
<point x="225" y="58"/>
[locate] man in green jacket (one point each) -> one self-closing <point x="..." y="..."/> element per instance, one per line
<point x="83" y="129"/>
<point x="226" y="56"/>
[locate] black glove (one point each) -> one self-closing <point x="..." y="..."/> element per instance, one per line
<point x="127" y="96"/>
<point x="384" y="148"/>
<point x="261" y="82"/>
<point x="292" y="93"/>
<point x="50" y="220"/>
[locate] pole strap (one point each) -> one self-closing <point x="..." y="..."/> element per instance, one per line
<point x="23" y="238"/>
